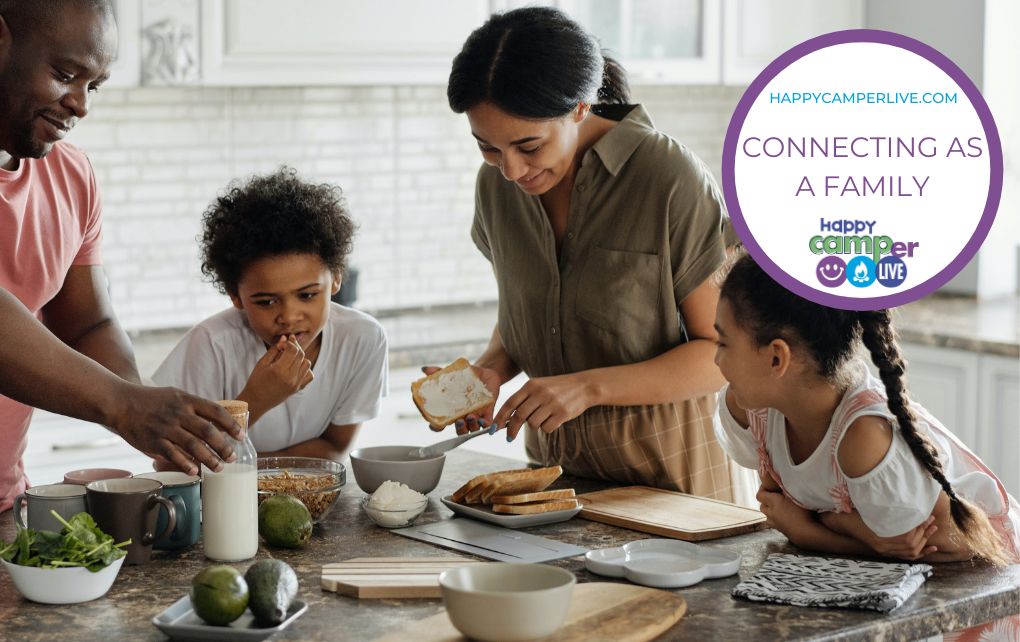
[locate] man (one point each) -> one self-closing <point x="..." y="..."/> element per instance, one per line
<point x="54" y="54"/>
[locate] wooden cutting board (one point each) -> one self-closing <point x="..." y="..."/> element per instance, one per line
<point x="395" y="577"/>
<point x="599" y="612"/>
<point x="669" y="514"/>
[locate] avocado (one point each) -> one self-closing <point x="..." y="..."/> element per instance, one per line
<point x="219" y="595"/>
<point x="272" y="585"/>
<point x="284" y="521"/>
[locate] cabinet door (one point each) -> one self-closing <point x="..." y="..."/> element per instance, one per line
<point x="946" y="383"/>
<point x="676" y="42"/>
<point x="756" y="32"/>
<point x="998" y="439"/>
<point x="331" y="42"/>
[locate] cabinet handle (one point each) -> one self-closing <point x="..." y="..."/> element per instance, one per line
<point x="89" y="444"/>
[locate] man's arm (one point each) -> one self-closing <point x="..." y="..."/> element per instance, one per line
<point x="82" y="316"/>
<point x="39" y="370"/>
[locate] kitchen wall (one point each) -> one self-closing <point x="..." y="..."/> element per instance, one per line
<point x="406" y="164"/>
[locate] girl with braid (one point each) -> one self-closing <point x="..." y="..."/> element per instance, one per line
<point x="848" y="463"/>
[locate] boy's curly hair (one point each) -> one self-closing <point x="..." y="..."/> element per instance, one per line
<point x="273" y="215"/>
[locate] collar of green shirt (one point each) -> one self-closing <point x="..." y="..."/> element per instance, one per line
<point x="619" y="143"/>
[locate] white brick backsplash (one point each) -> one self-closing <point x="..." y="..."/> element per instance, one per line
<point x="405" y="162"/>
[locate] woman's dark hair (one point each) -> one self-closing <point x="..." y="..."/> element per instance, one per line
<point x="273" y="215"/>
<point x="830" y="337"/>
<point x="534" y="63"/>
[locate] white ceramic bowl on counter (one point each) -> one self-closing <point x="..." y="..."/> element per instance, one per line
<point x="373" y="466"/>
<point x="394" y="518"/>
<point x="507" y="602"/>
<point x="63" y="585"/>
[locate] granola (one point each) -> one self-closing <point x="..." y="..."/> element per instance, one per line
<point x="300" y="486"/>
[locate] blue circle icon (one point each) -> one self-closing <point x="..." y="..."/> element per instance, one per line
<point x="860" y="272"/>
<point x="892" y="271"/>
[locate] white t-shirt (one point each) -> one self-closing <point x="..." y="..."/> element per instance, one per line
<point x="894" y="497"/>
<point x="216" y="357"/>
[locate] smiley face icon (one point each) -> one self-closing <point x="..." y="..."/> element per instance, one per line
<point x="831" y="271"/>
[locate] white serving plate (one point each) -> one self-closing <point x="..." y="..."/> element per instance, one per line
<point x="662" y="563"/>
<point x="63" y="585"/>
<point x="486" y="514"/>
<point x="180" y="622"/>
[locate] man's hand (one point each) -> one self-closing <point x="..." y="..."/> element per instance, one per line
<point x="282" y="371"/>
<point x="169" y="424"/>
<point x="482" y="418"/>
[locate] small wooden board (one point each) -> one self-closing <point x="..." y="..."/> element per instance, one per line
<point x="599" y="612"/>
<point x="393" y="577"/>
<point x="669" y="514"/>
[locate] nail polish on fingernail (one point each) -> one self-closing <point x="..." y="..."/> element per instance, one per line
<point x="509" y="439"/>
<point x="470" y="419"/>
<point x="423" y="368"/>
<point x="460" y="424"/>
<point x="492" y="430"/>
<point x="481" y="424"/>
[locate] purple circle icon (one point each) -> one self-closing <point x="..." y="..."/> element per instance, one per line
<point x="831" y="272"/>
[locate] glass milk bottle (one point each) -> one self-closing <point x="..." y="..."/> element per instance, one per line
<point x="230" y="524"/>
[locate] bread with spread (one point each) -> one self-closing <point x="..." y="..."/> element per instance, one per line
<point x="450" y="394"/>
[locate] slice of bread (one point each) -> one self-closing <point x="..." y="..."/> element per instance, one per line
<point x="519" y="483"/>
<point x="450" y="394"/>
<point x="458" y="497"/>
<point x="535" y="507"/>
<point x="528" y="498"/>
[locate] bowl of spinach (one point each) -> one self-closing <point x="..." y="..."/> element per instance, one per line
<point x="78" y="564"/>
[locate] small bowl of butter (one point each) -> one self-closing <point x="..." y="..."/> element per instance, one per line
<point x="394" y="505"/>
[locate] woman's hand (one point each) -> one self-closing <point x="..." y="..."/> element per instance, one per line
<point x="483" y="418"/>
<point x="785" y="516"/>
<point x="545" y="403"/>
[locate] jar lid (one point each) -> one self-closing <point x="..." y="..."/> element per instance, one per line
<point x="237" y="409"/>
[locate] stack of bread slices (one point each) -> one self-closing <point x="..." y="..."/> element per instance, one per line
<point x="517" y="492"/>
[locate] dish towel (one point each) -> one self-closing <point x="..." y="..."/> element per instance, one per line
<point x="816" y="581"/>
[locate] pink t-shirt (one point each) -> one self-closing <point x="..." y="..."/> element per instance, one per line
<point x="50" y="219"/>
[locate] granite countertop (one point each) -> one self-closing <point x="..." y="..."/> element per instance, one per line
<point x="956" y="596"/>
<point x="990" y="327"/>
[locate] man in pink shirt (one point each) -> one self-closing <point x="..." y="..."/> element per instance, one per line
<point x="71" y="357"/>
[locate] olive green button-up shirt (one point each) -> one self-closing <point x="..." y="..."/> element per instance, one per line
<point x="647" y="225"/>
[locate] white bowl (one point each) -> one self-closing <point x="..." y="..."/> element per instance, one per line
<point x="662" y="563"/>
<point x="399" y="518"/>
<point x="373" y="466"/>
<point x="63" y="585"/>
<point x="496" y="602"/>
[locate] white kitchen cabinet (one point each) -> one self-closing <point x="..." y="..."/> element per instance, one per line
<point x="999" y="418"/>
<point x="334" y="42"/>
<point x="756" y="32"/>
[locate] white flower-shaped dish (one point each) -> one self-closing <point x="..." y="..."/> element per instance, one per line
<point x="662" y="563"/>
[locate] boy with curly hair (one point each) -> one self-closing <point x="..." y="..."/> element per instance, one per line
<point x="312" y="371"/>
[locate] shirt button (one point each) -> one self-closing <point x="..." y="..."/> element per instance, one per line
<point x="580" y="188"/>
<point x="570" y="235"/>
<point x="554" y="330"/>
<point x="556" y="281"/>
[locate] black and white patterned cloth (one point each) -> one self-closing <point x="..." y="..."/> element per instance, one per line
<point x="816" y="581"/>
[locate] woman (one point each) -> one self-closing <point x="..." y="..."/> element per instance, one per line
<point x="603" y="234"/>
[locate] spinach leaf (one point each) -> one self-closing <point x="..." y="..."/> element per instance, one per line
<point x="79" y="543"/>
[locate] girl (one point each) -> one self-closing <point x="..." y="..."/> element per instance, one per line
<point x="603" y="233"/>
<point x="848" y="464"/>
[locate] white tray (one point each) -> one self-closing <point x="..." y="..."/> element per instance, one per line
<point x="180" y="622"/>
<point x="485" y="513"/>
<point x="662" y="563"/>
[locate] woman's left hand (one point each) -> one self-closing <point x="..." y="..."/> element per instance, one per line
<point x="783" y="515"/>
<point x="546" y="403"/>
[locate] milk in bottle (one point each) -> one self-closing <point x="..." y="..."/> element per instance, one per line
<point x="230" y="525"/>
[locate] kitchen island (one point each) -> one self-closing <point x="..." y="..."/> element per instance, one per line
<point x="956" y="596"/>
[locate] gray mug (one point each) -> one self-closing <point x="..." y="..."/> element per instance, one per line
<point x="183" y="490"/>
<point x="67" y="499"/>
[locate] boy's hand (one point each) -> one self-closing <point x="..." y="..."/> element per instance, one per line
<point x="281" y="372"/>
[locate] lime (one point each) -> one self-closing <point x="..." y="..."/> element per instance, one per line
<point x="219" y="595"/>
<point x="284" y="521"/>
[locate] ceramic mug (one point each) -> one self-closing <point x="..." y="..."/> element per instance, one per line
<point x="128" y="509"/>
<point x="84" y="476"/>
<point x="67" y="499"/>
<point x="183" y="490"/>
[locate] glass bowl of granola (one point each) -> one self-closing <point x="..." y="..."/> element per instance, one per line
<point x="316" y="482"/>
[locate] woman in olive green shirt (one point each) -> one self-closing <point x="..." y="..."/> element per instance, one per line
<point x="603" y="234"/>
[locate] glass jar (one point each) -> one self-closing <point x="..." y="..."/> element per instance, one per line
<point x="230" y="524"/>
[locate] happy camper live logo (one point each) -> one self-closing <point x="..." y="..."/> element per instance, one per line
<point x="875" y="257"/>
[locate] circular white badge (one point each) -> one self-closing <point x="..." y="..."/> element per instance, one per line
<point x="862" y="169"/>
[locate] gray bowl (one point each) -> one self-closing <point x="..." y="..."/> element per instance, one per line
<point x="373" y="466"/>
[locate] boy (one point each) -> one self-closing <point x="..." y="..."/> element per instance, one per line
<point x="311" y="370"/>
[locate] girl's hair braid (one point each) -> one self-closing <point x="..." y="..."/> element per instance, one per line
<point x="879" y="337"/>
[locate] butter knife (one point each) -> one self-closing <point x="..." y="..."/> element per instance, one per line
<point x="443" y="446"/>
